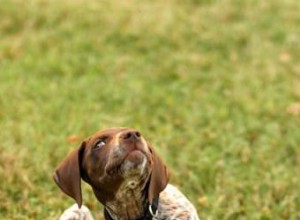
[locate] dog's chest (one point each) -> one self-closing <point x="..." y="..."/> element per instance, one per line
<point x="128" y="202"/>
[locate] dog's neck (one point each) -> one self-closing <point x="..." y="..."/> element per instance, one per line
<point x="130" y="202"/>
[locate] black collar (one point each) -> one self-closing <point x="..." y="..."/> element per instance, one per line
<point x="151" y="211"/>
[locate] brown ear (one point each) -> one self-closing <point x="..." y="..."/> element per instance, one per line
<point x="159" y="177"/>
<point x="67" y="175"/>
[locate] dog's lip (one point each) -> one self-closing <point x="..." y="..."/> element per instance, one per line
<point x="135" y="151"/>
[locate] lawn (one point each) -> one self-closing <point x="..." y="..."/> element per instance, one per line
<point x="213" y="84"/>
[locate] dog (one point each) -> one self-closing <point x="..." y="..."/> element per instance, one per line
<point x="127" y="177"/>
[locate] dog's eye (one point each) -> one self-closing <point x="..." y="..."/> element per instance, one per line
<point x="99" y="144"/>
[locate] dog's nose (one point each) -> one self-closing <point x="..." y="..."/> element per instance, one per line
<point x="132" y="136"/>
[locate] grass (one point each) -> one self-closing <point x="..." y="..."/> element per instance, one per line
<point x="213" y="84"/>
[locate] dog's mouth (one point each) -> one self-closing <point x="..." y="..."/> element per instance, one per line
<point x="131" y="161"/>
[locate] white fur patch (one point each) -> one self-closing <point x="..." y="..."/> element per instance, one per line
<point x="75" y="213"/>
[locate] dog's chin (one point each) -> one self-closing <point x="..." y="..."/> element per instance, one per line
<point x="134" y="163"/>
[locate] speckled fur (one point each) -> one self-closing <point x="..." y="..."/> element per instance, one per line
<point x="129" y="199"/>
<point x="173" y="205"/>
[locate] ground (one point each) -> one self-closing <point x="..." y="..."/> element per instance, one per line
<point x="215" y="86"/>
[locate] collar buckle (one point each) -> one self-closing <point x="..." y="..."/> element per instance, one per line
<point x="152" y="213"/>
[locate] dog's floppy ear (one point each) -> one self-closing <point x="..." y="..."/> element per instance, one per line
<point x="159" y="176"/>
<point x="67" y="174"/>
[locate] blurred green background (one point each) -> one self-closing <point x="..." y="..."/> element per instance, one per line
<point x="213" y="84"/>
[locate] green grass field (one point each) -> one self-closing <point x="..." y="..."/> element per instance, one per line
<point x="214" y="85"/>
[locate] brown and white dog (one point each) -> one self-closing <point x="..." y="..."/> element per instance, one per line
<point x="126" y="176"/>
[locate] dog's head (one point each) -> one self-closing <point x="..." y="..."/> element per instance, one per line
<point x="107" y="159"/>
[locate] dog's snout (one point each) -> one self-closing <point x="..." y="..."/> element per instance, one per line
<point x="132" y="136"/>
